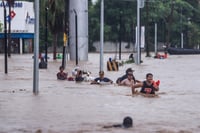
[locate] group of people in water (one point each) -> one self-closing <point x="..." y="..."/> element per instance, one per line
<point x="149" y="86"/>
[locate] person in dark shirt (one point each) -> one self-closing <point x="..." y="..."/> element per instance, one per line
<point x="42" y="64"/>
<point x="149" y="86"/>
<point x="101" y="79"/>
<point x="128" y="72"/>
<point x="79" y="76"/>
<point x="62" y="75"/>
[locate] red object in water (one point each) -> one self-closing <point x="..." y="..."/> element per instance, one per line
<point x="165" y="55"/>
<point x="158" y="82"/>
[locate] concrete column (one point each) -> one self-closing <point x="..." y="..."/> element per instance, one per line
<point x="81" y="8"/>
<point x="20" y="46"/>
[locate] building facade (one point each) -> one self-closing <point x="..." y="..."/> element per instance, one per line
<point x="22" y="21"/>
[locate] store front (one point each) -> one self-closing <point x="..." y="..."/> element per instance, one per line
<point x="22" y="27"/>
<point x="20" y="43"/>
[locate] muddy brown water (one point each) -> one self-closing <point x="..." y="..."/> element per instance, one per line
<point x="69" y="107"/>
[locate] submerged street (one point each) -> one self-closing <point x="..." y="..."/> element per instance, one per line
<point x="69" y="107"/>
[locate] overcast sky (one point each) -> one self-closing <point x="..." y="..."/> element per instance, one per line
<point x="94" y="1"/>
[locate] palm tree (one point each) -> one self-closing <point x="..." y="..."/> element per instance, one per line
<point x="1" y="26"/>
<point x="56" y="21"/>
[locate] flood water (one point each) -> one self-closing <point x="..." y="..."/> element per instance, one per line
<point x="69" y="107"/>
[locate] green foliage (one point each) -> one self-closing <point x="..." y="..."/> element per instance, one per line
<point x="56" y="16"/>
<point x="116" y="14"/>
<point x="173" y="17"/>
<point x="123" y="62"/>
<point x="55" y="22"/>
<point x="1" y="26"/>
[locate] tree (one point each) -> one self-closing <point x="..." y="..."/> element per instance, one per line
<point x="112" y="11"/>
<point x="172" y="12"/>
<point x="55" y="20"/>
<point x="171" y="16"/>
<point x="1" y="26"/>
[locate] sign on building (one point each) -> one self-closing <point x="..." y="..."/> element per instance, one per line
<point x="22" y="17"/>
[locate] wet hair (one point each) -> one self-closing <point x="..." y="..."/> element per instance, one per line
<point x="129" y="70"/>
<point x="149" y="74"/>
<point x="61" y="67"/>
<point x="79" y="72"/>
<point x="101" y="72"/>
<point x="127" y="122"/>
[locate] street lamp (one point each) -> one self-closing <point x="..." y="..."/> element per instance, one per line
<point x="138" y="33"/>
<point x="181" y="30"/>
<point x="102" y="35"/>
<point x="46" y="32"/>
<point x="120" y="38"/>
<point x="5" y="39"/>
<point x="76" y="36"/>
<point x="65" y="35"/>
<point x="188" y="31"/>
<point x="36" y="50"/>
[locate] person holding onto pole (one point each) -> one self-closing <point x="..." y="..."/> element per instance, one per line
<point x="149" y="86"/>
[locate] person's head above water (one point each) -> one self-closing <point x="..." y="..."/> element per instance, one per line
<point x="129" y="70"/>
<point x="127" y="122"/>
<point x="61" y="68"/>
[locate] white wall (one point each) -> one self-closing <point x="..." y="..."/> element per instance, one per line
<point x="23" y="22"/>
<point x="81" y="7"/>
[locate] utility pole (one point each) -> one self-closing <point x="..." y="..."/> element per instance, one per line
<point x="36" y="50"/>
<point x="120" y="34"/>
<point x="147" y="29"/>
<point x="102" y="35"/>
<point x="9" y="30"/>
<point x="5" y="40"/>
<point x="76" y="27"/>
<point x="138" y="33"/>
<point x="181" y="30"/>
<point x="156" y="42"/>
<point x="65" y="35"/>
<point x="46" y="34"/>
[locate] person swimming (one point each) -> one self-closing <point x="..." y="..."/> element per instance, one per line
<point x="127" y="123"/>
